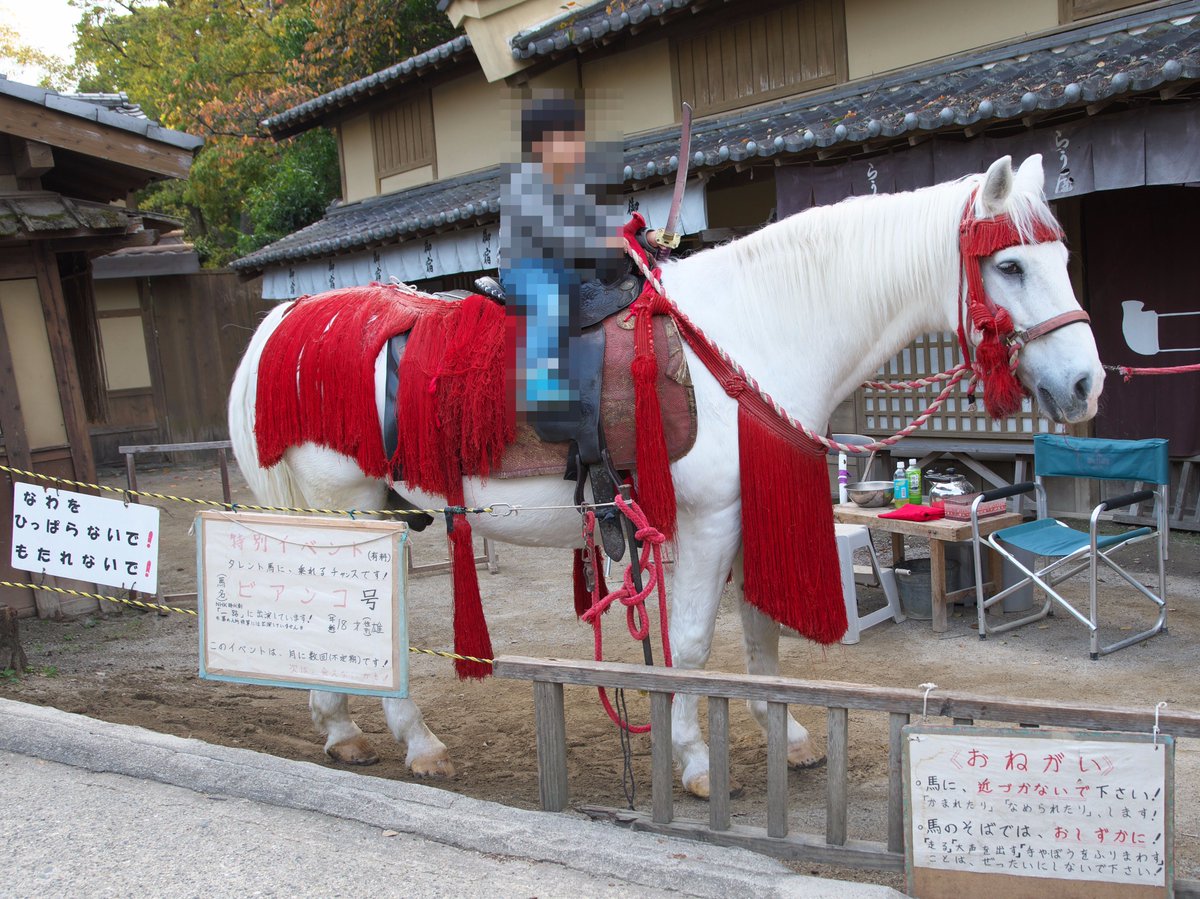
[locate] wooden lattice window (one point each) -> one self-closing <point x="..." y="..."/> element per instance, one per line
<point x="793" y="48"/>
<point x="885" y="412"/>
<point x="403" y="136"/>
<point x="1074" y="10"/>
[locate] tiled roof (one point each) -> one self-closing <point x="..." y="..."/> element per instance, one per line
<point x="1063" y="73"/>
<point x="454" y="201"/>
<point x="589" y="24"/>
<point x="297" y="118"/>
<point x="1058" y="73"/>
<point x="46" y="213"/>
<point x="117" y="102"/>
<point x="99" y="111"/>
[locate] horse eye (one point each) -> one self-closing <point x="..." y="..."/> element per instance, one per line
<point x="1009" y="267"/>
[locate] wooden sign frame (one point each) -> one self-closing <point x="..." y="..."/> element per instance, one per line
<point x="286" y="639"/>
<point x="929" y="882"/>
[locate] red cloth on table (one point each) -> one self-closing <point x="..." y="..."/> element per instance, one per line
<point x="915" y="512"/>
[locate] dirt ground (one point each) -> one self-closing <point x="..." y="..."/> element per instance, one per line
<point x="140" y="668"/>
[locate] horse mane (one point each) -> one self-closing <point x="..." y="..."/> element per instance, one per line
<point x="813" y="258"/>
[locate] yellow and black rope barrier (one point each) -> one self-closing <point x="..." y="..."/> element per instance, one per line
<point x="66" y="591"/>
<point x="158" y="607"/>
<point x="248" y="507"/>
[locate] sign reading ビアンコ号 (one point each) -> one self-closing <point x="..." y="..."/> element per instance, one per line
<point x="303" y="602"/>
<point x="1033" y="812"/>
<point x="66" y="534"/>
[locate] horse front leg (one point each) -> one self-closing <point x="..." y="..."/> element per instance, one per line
<point x="761" y="637"/>
<point x="705" y="550"/>
<point x="344" y="740"/>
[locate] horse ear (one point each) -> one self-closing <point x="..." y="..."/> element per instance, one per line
<point x="1030" y="176"/>
<point x="997" y="186"/>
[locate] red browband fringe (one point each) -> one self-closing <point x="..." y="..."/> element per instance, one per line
<point x="1002" y="392"/>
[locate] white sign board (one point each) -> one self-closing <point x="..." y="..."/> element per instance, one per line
<point x="307" y="602"/>
<point x="73" y="535"/>
<point x="1092" y="809"/>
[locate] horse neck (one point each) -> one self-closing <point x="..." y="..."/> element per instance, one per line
<point x="812" y="306"/>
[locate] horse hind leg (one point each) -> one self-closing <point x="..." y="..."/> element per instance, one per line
<point x="761" y="637"/>
<point x="427" y="755"/>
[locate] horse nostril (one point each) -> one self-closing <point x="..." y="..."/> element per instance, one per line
<point x="1083" y="387"/>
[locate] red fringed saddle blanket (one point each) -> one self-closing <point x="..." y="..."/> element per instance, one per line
<point x="316" y="383"/>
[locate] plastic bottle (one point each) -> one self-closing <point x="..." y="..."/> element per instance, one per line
<point x="899" y="486"/>
<point x="843" y="478"/>
<point x="914" y="482"/>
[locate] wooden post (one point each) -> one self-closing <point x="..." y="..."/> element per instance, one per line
<point x="836" y="785"/>
<point x="223" y="460"/>
<point x="11" y="654"/>
<point x="66" y="374"/>
<point x="896" y="723"/>
<point x="718" y="762"/>
<point x="16" y="447"/>
<point x="662" y="770"/>
<point x="551" y="745"/>
<point x="777" y="772"/>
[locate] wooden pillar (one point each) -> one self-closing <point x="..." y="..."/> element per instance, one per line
<point x="66" y="373"/>
<point x="16" y="448"/>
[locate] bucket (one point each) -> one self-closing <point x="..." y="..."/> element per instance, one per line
<point x="914" y="583"/>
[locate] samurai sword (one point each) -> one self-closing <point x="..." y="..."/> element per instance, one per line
<point x="668" y="237"/>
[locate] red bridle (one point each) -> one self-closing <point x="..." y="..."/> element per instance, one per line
<point x="995" y="358"/>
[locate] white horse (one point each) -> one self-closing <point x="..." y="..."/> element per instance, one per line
<point x="811" y="307"/>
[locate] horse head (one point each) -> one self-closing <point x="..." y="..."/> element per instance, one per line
<point x="1057" y="359"/>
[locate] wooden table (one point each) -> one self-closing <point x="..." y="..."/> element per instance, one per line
<point x="938" y="533"/>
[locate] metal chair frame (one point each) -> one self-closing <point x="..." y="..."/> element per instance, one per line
<point x="1086" y="558"/>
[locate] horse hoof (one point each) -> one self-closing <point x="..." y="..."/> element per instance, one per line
<point x="802" y="758"/>
<point x="353" y="752"/>
<point x="698" y="786"/>
<point x="437" y="765"/>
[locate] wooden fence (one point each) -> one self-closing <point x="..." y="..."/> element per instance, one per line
<point x="835" y="847"/>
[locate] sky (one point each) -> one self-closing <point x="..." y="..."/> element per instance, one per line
<point x="46" y="24"/>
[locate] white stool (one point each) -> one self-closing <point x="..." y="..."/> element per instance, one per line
<point x="849" y="538"/>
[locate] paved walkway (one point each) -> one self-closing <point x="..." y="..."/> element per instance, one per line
<point x="110" y="810"/>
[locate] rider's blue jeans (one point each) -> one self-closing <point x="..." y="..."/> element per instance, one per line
<point x="539" y="291"/>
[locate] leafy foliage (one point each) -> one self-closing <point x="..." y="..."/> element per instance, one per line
<point x="217" y="68"/>
<point x="58" y="72"/>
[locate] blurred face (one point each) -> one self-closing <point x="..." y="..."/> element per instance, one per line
<point x="561" y="154"/>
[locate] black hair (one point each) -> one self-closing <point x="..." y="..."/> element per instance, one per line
<point x="543" y="115"/>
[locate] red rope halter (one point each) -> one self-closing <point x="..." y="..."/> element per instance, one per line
<point x="995" y="358"/>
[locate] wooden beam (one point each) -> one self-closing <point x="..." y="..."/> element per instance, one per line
<point x="66" y="371"/>
<point x="93" y="139"/>
<point x="761" y="688"/>
<point x="31" y="158"/>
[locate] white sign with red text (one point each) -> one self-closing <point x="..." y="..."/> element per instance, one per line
<point x="66" y="534"/>
<point x="1031" y="803"/>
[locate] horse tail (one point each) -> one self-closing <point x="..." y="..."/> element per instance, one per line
<point x="272" y="486"/>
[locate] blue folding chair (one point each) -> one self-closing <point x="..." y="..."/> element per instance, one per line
<point x="1074" y="551"/>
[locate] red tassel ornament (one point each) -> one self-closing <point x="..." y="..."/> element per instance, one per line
<point x="471" y="636"/>
<point x="791" y="565"/>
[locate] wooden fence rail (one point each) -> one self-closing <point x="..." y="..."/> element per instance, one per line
<point x="550" y="675"/>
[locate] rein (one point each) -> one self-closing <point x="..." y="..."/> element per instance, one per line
<point x="994" y="361"/>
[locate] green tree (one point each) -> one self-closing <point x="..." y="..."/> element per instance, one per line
<point x="217" y="68"/>
<point x="58" y="74"/>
